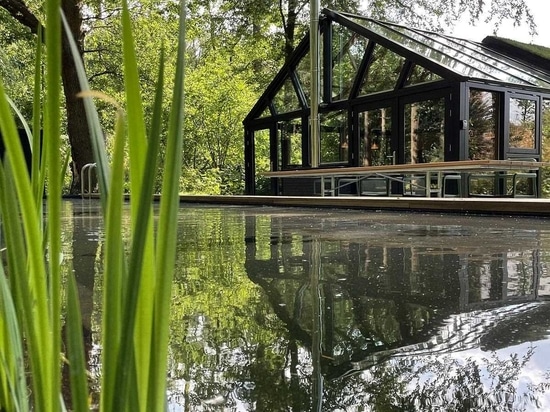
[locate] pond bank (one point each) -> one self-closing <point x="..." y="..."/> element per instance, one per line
<point x="492" y="206"/>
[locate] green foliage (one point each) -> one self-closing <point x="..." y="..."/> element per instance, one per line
<point x="236" y="48"/>
<point x="194" y="182"/>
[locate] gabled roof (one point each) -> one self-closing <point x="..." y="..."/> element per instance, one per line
<point x="444" y="57"/>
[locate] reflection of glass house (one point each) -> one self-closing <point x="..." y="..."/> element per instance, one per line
<point x="393" y="94"/>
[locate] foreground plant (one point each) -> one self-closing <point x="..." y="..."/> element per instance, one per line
<point x="137" y="282"/>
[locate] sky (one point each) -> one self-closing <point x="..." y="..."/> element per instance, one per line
<point x="540" y="10"/>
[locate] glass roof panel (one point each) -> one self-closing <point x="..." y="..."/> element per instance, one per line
<point x="383" y="71"/>
<point x="476" y="56"/>
<point x="286" y="99"/>
<point x="491" y="56"/>
<point x="473" y="62"/>
<point x="348" y="49"/>
<point x="420" y="48"/>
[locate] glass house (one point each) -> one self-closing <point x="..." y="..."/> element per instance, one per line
<point x="392" y="94"/>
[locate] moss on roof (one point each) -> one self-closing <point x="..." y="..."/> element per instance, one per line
<point x="529" y="53"/>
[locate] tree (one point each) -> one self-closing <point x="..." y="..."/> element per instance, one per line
<point x="77" y="126"/>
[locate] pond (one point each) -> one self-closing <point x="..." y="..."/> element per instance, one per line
<point x="287" y="309"/>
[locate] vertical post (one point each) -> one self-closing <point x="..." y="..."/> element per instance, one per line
<point x="315" y="128"/>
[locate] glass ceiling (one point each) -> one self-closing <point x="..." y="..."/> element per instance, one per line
<point x="463" y="57"/>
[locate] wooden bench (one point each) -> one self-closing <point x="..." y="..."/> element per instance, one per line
<point x="333" y="179"/>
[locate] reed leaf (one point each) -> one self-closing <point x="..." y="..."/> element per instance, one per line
<point x="114" y="273"/>
<point x="167" y="230"/>
<point x="139" y="300"/>
<point x="38" y="172"/>
<point x="137" y="291"/>
<point x="40" y="343"/>
<point x="52" y="133"/>
<point x="13" y="385"/>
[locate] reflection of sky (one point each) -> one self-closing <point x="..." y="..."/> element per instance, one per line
<point x="452" y="363"/>
<point x="533" y="373"/>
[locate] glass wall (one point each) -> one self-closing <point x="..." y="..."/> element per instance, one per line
<point x="483" y="126"/>
<point x="262" y="184"/>
<point x="375" y="137"/>
<point x="334" y="137"/>
<point x="425" y="131"/>
<point x="290" y="143"/>
<point x="522" y="123"/>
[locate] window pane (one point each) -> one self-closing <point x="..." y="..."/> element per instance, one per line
<point x="347" y="50"/>
<point x="383" y="71"/>
<point x="286" y="99"/>
<point x="484" y="109"/>
<point x="303" y="70"/>
<point x="375" y="134"/>
<point x="425" y="131"/>
<point x="266" y="113"/>
<point x="334" y="137"/>
<point x="262" y="162"/>
<point x="522" y="123"/>
<point x="420" y="74"/>
<point x="290" y="143"/>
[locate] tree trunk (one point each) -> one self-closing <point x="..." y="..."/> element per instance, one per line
<point x="77" y="125"/>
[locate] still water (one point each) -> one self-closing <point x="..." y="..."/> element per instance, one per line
<point x="279" y="309"/>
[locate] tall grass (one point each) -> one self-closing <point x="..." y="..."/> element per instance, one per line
<point x="137" y="282"/>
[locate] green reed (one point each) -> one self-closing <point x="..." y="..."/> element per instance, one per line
<point x="137" y="281"/>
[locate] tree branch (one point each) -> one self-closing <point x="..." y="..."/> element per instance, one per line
<point x="103" y="73"/>
<point x="20" y="11"/>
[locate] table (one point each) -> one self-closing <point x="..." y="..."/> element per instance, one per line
<point x="392" y="172"/>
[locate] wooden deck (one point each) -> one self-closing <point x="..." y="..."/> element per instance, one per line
<point x="500" y="206"/>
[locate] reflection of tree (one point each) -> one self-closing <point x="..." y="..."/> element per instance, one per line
<point x="290" y="140"/>
<point x="489" y="384"/>
<point x="248" y="345"/>
<point x="348" y="50"/>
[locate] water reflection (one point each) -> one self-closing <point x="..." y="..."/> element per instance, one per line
<point x="304" y="310"/>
